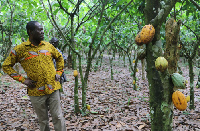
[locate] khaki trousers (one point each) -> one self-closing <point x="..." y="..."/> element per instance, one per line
<point x="51" y="102"/>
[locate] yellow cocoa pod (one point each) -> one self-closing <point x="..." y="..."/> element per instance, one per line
<point x="179" y="46"/>
<point x="188" y="98"/>
<point x="75" y="73"/>
<point x="133" y="61"/>
<point x="88" y="106"/>
<point x="138" y="41"/>
<point x="161" y="64"/>
<point x="179" y="100"/>
<point x="133" y="82"/>
<point x="147" y="34"/>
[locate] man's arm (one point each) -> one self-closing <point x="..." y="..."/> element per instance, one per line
<point x="8" y="67"/>
<point x="59" y="60"/>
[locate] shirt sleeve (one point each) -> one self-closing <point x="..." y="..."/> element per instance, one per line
<point x="59" y="60"/>
<point x="8" y="66"/>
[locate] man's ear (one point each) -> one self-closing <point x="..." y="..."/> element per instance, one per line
<point x="29" y="32"/>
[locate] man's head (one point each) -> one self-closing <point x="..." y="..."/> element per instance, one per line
<point x="35" y="30"/>
<point x="54" y="41"/>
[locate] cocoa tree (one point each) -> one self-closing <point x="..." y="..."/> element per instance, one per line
<point x="97" y="10"/>
<point x="160" y="86"/>
<point x="190" y="51"/>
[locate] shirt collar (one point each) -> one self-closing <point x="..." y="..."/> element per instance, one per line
<point x="30" y="44"/>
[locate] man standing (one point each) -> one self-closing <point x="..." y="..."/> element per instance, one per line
<point x="54" y="41"/>
<point x="35" y="56"/>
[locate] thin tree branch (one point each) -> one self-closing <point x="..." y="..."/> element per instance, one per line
<point x="11" y="22"/>
<point x="186" y="53"/>
<point x="90" y="14"/>
<point x="196" y="43"/>
<point x="76" y="7"/>
<point x="90" y="57"/>
<point x="52" y="22"/>
<point x="190" y="30"/>
<point x="61" y="7"/>
<point x="98" y="25"/>
<point x="163" y="13"/>
<point x="58" y="29"/>
<point x="2" y="5"/>
<point x="197" y="5"/>
<point x="66" y="23"/>
<point x="56" y="25"/>
<point x="87" y="4"/>
<point x="48" y="14"/>
<point x="72" y="2"/>
<point x="103" y="33"/>
<point x="181" y="7"/>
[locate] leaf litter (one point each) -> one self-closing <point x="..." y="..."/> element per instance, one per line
<point x="114" y="103"/>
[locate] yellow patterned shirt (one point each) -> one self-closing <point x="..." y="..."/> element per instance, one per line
<point x="38" y="64"/>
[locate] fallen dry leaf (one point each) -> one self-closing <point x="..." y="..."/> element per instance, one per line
<point x="114" y="103"/>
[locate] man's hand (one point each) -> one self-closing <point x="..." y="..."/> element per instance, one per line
<point x="65" y="61"/>
<point x="30" y="83"/>
<point x="57" y="77"/>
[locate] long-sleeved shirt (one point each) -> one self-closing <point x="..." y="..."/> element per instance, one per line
<point x="38" y="65"/>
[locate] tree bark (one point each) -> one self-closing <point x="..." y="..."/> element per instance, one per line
<point x="191" y="74"/>
<point x="172" y="30"/>
<point x="143" y="69"/>
<point x="160" y="85"/>
<point x="198" y="82"/>
<point x="76" y="103"/>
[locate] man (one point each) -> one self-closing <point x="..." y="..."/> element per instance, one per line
<point x="35" y="56"/>
<point x="54" y="41"/>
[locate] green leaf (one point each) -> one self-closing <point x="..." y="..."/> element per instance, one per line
<point x="120" y="2"/>
<point x="93" y="112"/>
<point x="13" y="41"/>
<point x="34" y="3"/>
<point x="25" y="97"/>
<point x="56" y="11"/>
<point x="55" y="5"/>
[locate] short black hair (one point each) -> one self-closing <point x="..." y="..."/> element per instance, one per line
<point x="54" y="39"/>
<point x="30" y="26"/>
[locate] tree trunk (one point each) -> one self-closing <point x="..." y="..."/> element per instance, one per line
<point x="191" y="74"/>
<point x="83" y="88"/>
<point x="172" y="30"/>
<point x="143" y="69"/>
<point x="134" y="70"/>
<point x="160" y="84"/>
<point x="76" y="103"/>
<point x="69" y="60"/>
<point x="124" y="59"/>
<point x="111" y="67"/>
<point x="198" y="82"/>
<point x="155" y="86"/>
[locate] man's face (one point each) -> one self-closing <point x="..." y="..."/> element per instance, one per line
<point x="54" y="42"/>
<point x="38" y="33"/>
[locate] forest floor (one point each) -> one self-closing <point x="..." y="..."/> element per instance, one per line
<point x="114" y="103"/>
